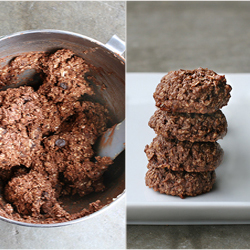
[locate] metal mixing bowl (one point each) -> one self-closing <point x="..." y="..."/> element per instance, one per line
<point x="110" y="71"/>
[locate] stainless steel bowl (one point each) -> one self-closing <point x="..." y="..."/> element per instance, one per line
<point x="110" y="71"/>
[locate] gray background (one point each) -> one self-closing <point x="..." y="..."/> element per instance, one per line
<point x="164" y="36"/>
<point x="96" y="19"/>
<point x="99" y="20"/>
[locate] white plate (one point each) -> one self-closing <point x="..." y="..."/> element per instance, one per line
<point x="229" y="200"/>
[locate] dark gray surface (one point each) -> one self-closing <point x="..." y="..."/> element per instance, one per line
<point x="164" y="36"/>
<point x="189" y="237"/>
<point x="99" y="20"/>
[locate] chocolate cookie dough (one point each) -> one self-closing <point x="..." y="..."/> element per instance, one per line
<point x="20" y="112"/>
<point x="189" y="127"/>
<point x="87" y="177"/>
<point x="184" y="156"/>
<point x="31" y="194"/>
<point x="179" y="183"/>
<point x="65" y="77"/>
<point x="47" y="136"/>
<point x="192" y="91"/>
<point x="63" y="73"/>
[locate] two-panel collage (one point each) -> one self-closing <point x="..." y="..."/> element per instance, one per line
<point x="124" y="124"/>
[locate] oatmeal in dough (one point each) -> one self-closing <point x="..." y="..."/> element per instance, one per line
<point x="70" y="146"/>
<point x="16" y="148"/>
<point x="65" y="77"/>
<point x="189" y="127"/>
<point x="47" y="136"/>
<point x="71" y="149"/>
<point x="87" y="177"/>
<point x="9" y="73"/>
<point x="192" y="91"/>
<point x="20" y="107"/>
<point x="20" y="112"/>
<point x="87" y="118"/>
<point x="184" y="156"/>
<point x="30" y="193"/>
<point x="63" y="74"/>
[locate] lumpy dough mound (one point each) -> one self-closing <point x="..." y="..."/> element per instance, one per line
<point x="47" y="137"/>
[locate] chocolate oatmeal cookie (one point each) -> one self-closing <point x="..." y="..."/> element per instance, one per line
<point x="184" y="156"/>
<point x="192" y="91"/>
<point x="180" y="183"/>
<point x="189" y="127"/>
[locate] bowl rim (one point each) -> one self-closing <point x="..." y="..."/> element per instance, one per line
<point x="57" y="31"/>
<point x="116" y="199"/>
<point x="66" y="223"/>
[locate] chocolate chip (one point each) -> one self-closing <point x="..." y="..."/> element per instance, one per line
<point x="45" y="194"/>
<point x="26" y="99"/>
<point x="64" y="85"/>
<point x="60" y="142"/>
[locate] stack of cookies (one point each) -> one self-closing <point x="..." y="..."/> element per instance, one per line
<point x="188" y="122"/>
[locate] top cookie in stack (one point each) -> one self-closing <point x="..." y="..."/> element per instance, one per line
<point x="192" y="91"/>
<point x="188" y="123"/>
